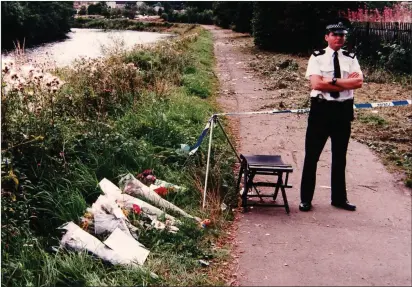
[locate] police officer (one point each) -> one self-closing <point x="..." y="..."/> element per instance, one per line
<point x="334" y="74"/>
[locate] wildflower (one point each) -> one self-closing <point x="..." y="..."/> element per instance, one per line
<point x="84" y="225"/>
<point x="125" y="212"/>
<point x="162" y="191"/>
<point x="136" y="209"/>
<point x="205" y="223"/>
<point x="151" y="177"/>
<point x="61" y="153"/>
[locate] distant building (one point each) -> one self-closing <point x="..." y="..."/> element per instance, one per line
<point x="111" y="4"/>
<point x="140" y="3"/>
<point x="157" y="8"/>
<point x="122" y="4"/>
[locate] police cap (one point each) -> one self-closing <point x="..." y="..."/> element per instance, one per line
<point x="337" y="28"/>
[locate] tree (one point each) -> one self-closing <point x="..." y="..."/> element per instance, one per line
<point x="130" y="10"/>
<point x="200" y="5"/>
<point x="34" y="22"/>
<point x="224" y="12"/>
<point x="115" y="13"/>
<point x="98" y="9"/>
<point x="83" y="10"/>
<point x="301" y="23"/>
<point x="243" y="17"/>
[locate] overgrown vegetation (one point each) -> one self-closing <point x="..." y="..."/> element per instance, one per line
<point x="121" y="24"/>
<point x="34" y="22"/>
<point x="101" y="119"/>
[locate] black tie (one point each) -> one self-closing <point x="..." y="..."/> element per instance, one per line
<point x="336" y="67"/>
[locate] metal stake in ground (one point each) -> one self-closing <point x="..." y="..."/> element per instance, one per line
<point x="228" y="140"/>
<point x="208" y="159"/>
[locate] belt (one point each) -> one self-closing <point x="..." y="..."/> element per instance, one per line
<point x="331" y="110"/>
<point x="320" y="99"/>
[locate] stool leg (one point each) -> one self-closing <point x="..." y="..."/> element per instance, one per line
<point x="285" y="200"/>
<point x="282" y="188"/>
<point x="277" y="188"/>
<point x="278" y="184"/>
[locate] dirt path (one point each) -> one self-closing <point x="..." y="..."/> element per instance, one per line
<point x="326" y="246"/>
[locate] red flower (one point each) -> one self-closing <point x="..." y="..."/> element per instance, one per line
<point x="162" y="191"/>
<point x="136" y="209"/>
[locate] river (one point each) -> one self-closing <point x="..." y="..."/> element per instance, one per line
<point x="87" y="43"/>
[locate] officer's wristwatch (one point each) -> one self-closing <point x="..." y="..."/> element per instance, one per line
<point x="334" y="81"/>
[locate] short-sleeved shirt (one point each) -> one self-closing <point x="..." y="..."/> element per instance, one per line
<point x="321" y="63"/>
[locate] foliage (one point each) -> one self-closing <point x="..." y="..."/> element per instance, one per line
<point x="98" y="9"/>
<point x="273" y="20"/>
<point x="130" y="10"/>
<point x="34" y="22"/>
<point x="243" y="17"/>
<point x="83" y="10"/>
<point x="224" y="12"/>
<point x="124" y="24"/>
<point x="396" y="13"/>
<point x="103" y="118"/>
<point x="115" y="13"/>
<point x="375" y="52"/>
<point x="190" y="15"/>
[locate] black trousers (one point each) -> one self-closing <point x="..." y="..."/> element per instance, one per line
<point x="327" y="119"/>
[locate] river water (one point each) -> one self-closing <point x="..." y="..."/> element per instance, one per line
<point x="87" y="43"/>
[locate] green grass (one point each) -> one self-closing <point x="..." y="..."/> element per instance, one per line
<point x="94" y="135"/>
<point x="372" y="120"/>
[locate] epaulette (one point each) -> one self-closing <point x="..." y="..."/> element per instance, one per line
<point x="350" y="55"/>
<point x="318" y="52"/>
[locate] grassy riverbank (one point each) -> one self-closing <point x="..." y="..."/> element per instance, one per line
<point x="101" y="119"/>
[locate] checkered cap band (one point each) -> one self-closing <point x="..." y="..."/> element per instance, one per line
<point x="336" y="26"/>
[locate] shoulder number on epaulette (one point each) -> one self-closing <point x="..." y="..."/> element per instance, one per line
<point x="318" y="52"/>
<point x="347" y="54"/>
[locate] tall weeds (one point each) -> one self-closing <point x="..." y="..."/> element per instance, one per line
<point x="65" y="130"/>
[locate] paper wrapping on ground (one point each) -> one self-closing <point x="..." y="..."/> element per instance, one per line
<point x="134" y="187"/>
<point x="79" y="240"/>
<point x="107" y="216"/>
<point x="112" y="191"/>
<point x="127" y="247"/>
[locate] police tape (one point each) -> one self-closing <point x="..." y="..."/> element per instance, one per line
<point x="202" y="135"/>
<point x="297" y="111"/>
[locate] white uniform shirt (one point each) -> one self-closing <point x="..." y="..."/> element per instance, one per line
<point x="322" y="64"/>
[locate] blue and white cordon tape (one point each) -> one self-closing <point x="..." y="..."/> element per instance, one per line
<point x="297" y="111"/>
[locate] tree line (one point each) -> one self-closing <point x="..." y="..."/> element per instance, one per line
<point x="34" y="22"/>
<point x="299" y="27"/>
<point x="271" y="23"/>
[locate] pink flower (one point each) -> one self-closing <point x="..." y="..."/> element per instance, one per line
<point x="136" y="209"/>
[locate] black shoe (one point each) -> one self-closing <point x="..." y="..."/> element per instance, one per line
<point x="305" y="206"/>
<point x="345" y="205"/>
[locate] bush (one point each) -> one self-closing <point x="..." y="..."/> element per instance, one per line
<point x="165" y="17"/>
<point x="34" y="22"/>
<point x="372" y="50"/>
<point x="302" y="22"/>
<point x="398" y="59"/>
